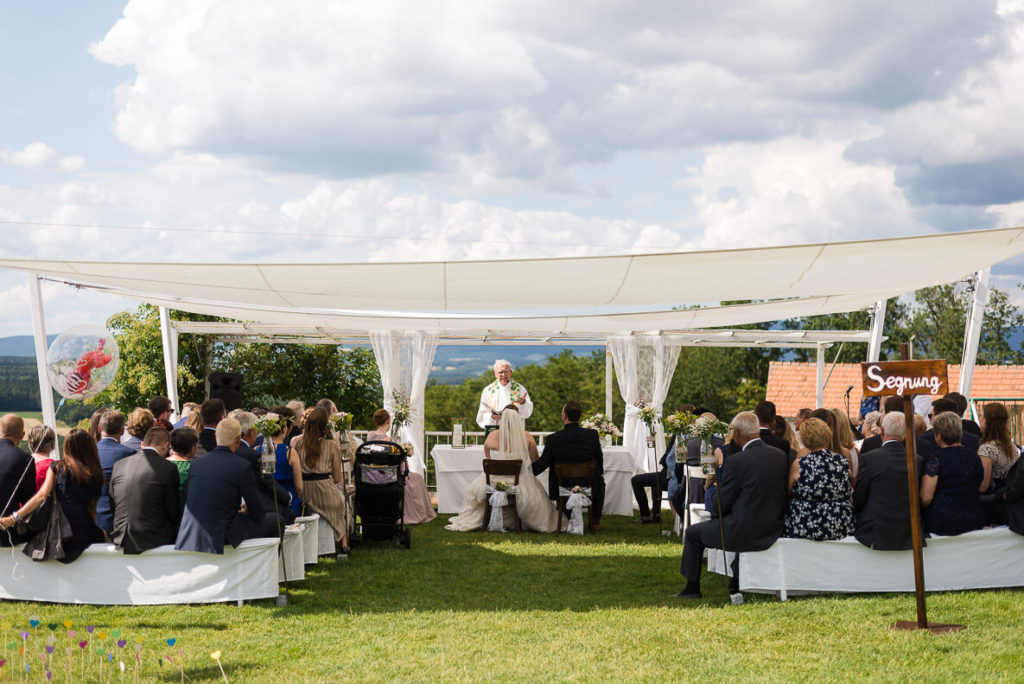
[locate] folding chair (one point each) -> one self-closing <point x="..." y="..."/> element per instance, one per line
<point x="503" y="468"/>
<point x="576" y="472"/>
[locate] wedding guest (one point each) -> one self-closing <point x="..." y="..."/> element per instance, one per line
<point x="110" y="451"/>
<point x="94" y="423"/>
<point x="1012" y="497"/>
<point x="41" y="442"/>
<point x="693" y="468"/>
<point x="188" y="409"/>
<point x="139" y="422"/>
<point x="996" y="445"/>
<point x="784" y="431"/>
<point x="211" y="412"/>
<point x="287" y="468"/>
<point x="751" y="504"/>
<point x="218" y="481"/>
<point x="275" y="497"/>
<point x="417" y="506"/>
<point x="821" y="505"/>
<point x="844" y="439"/>
<point x="890" y="405"/>
<point x="765" y="412"/>
<point x="926" y="443"/>
<point x="195" y="420"/>
<point x="320" y="458"/>
<point x="17" y="477"/>
<point x="574" y="444"/>
<point x="872" y="425"/>
<point x="298" y="410"/>
<point x="953" y="481"/>
<point x="920" y="425"/>
<point x="880" y="498"/>
<point x="328" y="407"/>
<point x="801" y="415"/>
<point x="77" y="477"/>
<point x="183" y="450"/>
<point x="144" y="496"/>
<point x="968" y="425"/>
<point x="161" y="409"/>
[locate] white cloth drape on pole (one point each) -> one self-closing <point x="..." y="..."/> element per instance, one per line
<point x="404" y="361"/>
<point x="644" y="366"/>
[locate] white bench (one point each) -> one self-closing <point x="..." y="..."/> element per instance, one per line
<point x="102" y="575"/>
<point x="984" y="559"/>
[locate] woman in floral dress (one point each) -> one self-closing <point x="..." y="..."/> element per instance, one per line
<point x="821" y="505"/>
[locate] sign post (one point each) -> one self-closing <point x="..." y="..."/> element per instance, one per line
<point x="905" y="379"/>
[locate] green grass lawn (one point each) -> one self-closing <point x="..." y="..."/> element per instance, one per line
<point x="468" y="606"/>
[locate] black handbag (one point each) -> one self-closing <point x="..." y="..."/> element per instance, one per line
<point x="47" y="543"/>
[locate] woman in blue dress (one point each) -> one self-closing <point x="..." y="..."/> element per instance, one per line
<point x="952" y="482"/>
<point x="287" y="461"/>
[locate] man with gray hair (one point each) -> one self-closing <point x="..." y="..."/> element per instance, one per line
<point x="751" y="505"/>
<point x="881" y="496"/>
<point x="268" y="486"/>
<point x="499" y="394"/>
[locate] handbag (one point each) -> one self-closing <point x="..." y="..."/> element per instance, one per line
<point x="47" y="543"/>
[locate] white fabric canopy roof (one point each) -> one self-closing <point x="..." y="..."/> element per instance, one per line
<point x="871" y="267"/>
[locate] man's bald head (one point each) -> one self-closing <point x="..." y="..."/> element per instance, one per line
<point x="12" y="427"/>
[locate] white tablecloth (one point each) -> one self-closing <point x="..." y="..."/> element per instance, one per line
<point x="457" y="468"/>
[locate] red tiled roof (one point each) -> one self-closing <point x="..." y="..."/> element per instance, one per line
<point x="791" y="385"/>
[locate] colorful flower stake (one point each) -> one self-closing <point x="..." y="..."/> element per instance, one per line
<point x="82" y="644"/>
<point x="216" y="656"/>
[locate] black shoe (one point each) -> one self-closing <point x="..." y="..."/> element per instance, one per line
<point x="689" y="594"/>
<point x="642" y="520"/>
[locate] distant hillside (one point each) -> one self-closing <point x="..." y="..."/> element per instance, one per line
<point x="453" y="364"/>
<point x="21" y="345"/>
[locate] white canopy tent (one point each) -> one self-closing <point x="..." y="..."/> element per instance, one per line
<point x="454" y="300"/>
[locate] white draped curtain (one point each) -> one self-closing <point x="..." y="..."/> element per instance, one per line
<point x="644" y="366"/>
<point x="404" y="360"/>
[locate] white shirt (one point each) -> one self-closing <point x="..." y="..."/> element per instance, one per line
<point x="496" y="396"/>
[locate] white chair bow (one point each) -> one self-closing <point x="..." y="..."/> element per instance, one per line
<point x="498" y="499"/>
<point x="577" y="501"/>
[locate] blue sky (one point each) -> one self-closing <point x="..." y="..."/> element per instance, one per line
<point x="351" y="131"/>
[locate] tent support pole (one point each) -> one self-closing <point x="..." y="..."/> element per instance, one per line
<point x="819" y="382"/>
<point x="972" y="334"/>
<point x="39" y="334"/>
<point x="170" y="360"/>
<point x="607" y="382"/>
<point x="877" y="324"/>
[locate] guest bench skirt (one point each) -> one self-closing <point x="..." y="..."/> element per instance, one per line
<point x="983" y="559"/>
<point x="102" y="575"/>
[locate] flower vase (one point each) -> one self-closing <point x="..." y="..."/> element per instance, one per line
<point x="268" y="457"/>
<point x="680" y="447"/>
<point x="606" y="441"/>
<point x="708" y="463"/>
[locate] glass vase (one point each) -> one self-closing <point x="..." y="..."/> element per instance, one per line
<point x="708" y="463"/>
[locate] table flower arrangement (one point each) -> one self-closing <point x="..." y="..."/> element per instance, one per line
<point x="679" y="424"/>
<point x="341" y="422"/>
<point x="604" y="426"/>
<point x="705" y="428"/>
<point x="400" y="411"/>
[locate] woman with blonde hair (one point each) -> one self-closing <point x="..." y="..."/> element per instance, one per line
<point x="821" y="503"/>
<point x="845" y="441"/>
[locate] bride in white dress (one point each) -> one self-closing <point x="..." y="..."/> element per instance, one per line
<point x="509" y="442"/>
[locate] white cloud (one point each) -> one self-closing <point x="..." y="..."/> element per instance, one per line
<point x="71" y="164"/>
<point x="34" y="156"/>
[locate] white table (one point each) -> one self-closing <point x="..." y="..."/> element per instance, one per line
<point x="457" y="468"/>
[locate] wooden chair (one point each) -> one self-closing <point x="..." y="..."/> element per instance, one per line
<point x="573" y="471"/>
<point x="503" y="468"/>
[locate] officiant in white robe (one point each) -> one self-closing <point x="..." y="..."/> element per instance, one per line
<point x="500" y="393"/>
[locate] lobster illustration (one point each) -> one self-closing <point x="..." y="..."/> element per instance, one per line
<point x="78" y="381"/>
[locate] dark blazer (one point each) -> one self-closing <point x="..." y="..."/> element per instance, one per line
<point x="17" y="481"/>
<point x="1014" y="497"/>
<point x="926" y="444"/>
<point x="571" y="444"/>
<point x="267" y="485"/>
<point x="207" y="440"/>
<point x="144" y="498"/>
<point x="111" y="451"/>
<point x="881" y="499"/>
<point x="217" y="482"/>
<point x="752" y="494"/>
<point x="769" y="438"/>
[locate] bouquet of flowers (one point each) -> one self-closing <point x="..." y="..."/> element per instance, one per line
<point x="341" y="422"/>
<point x="501" y="486"/>
<point x="400" y="410"/>
<point x="678" y="423"/>
<point x="409" y="448"/>
<point x="706" y="426"/>
<point x="269" y="424"/>
<point x="603" y="424"/>
<point x="647" y="414"/>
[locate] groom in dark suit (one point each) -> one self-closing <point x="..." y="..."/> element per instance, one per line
<point x="574" y="444"/>
<point x="751" y="505"/>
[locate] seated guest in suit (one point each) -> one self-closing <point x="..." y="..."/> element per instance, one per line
<point x="765" y="412"/>
<point x="890" y="405"/>
<point x="751" y="504"/>
<point x="211" y="412"/>
<point x="144" y="496"/>
<point x="275" y="497"/>
<point x="183" y="450"/>
<point x="1012" y="497"/>
<point x="77" y="478"/>
<point x="94" y="424"/>
<point x="136" y="426"/>
<point x="217" y="483"/>
<point x="881" y="497"/>
<point x="820" y="506"/>
<point x="110" y="452"/>
<point x="697" y="481"/>
<point x="968" y="425"/>
<point x="953" y="481"/>
<point x="41" y="442"/>
<point x="926" y="443"/>
<point x="657" y="482"/>
<point x="17" y="476"/>
<point x="574" y="444"/>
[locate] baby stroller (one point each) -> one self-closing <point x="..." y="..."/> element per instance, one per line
<point x="380" y="471"/>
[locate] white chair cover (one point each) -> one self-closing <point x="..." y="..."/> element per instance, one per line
<point x="404" y="361"/>
<point x="644" y="366"/>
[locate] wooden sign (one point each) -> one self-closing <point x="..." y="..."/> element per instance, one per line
<point x="904" y="378"/>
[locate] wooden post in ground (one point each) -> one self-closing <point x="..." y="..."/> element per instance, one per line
<point x="915" y="502"/>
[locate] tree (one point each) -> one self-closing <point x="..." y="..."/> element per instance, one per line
<point x="896" y="314"/>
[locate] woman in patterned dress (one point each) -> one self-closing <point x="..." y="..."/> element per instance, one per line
<point x="821" y="506"/>
<point x="320" y="458"/>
